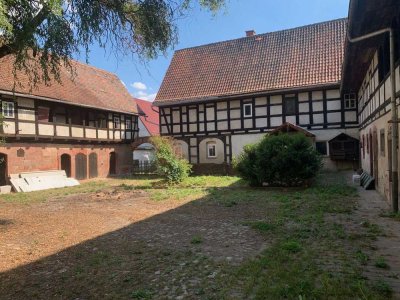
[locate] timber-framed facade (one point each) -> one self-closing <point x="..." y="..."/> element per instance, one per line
<point x="84" y="125"/>
<point x="366" y="72"/>
<point x="202" y="115"/>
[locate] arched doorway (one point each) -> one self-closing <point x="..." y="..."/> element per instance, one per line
<point x="3" y="169"/>
<point x="80" y="166"/>
<point x="93" y="173"/>
<point x="66" y="164"/>
<point x="113" y="163"/>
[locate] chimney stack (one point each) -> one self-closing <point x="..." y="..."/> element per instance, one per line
<point x="250" y="33"/>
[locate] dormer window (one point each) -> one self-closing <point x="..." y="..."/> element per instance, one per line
<point x="248" y="110"/>
<point x="8" y="109"/>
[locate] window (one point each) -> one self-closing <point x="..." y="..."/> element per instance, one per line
<point x="290" y="106"/>
<point x="248" y="110"/>
<point x="382" y="141"/>
<point x="350" y="101"/>
<point x="43" y="114"/>
<point x="128" y="124"/>
<point x="91" y="119"/>
<point x="363" y="146"/>
<point x="60" y="116"/>
<point x="211" y="150"/>
<point x="8" y="109"/>
<point x="101" y="121"/>
<point x="321" y="148"/>
<point x="117" y="123"/>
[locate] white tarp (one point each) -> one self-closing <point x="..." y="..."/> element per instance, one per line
<point x="43" y="180"/>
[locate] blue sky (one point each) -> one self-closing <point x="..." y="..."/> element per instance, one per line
<point x="200" y="27"/>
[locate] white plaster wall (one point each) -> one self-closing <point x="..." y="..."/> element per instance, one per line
<point x="240" y="140"/>
<point x="219" y="151"/>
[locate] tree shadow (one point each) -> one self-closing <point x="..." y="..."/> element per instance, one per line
<point x="176" y="253"/>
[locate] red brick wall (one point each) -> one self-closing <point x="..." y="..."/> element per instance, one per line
<point x="46" y="156"/>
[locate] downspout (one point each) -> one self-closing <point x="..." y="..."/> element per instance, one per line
<point x="394" y="119"/>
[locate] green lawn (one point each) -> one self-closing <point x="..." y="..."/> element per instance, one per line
<point x="310" y="253"/>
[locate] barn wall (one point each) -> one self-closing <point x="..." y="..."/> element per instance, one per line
<point x="44" y="156"/>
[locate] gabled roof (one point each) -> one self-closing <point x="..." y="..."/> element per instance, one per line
<point x="149" y="116"/>
<point x="289" y="127"/>
<point x="89" y="86"/>
<point x="301" y="57"/>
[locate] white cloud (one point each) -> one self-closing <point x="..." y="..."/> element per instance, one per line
<point x="139" y="86"/>
<point x="145" y="96"/>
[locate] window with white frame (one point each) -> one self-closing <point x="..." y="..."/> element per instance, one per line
<point x="117" y="123"/>
<point x="211" y="150"/>
<point x="350" y="101"/>
<point x="128" y="124"/>
<point x="8" y="109"/>
<point x="248" y="110"/>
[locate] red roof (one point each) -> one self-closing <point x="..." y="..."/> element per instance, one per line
<point x="301" y="57"/>
<point x="150" y="118"/>
<point x="89" y="86"/>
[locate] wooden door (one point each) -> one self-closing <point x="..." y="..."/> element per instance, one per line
<point x="113" y="164"/>
<point x="66" y="164"/>
<point x="3" y="169"/>
<point x="80" y="166"/>
<point x="93" y="173"/>
<point x="375" y="155"/>
<point x="371" y="155"/>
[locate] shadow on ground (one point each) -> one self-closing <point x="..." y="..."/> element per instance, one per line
<point x="176" y="253"/>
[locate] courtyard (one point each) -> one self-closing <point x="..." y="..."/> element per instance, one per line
<point x="209" y="237"/>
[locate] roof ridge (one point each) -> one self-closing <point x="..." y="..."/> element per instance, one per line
<point x="263" y="34"/>
<point x="86" y="65"/>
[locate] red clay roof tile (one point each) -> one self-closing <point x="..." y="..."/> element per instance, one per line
<point x="304" y="56"/>
<point x="90" y="86"/>
<point x="150" y="118"/>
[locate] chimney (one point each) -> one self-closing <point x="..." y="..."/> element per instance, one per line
<point x="250" y="33"/>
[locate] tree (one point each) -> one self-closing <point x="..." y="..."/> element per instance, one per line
<point x="44" y="34"/>
<point x="169" y="165"/>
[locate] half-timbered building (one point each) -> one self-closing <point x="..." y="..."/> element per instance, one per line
<point x="219" y="97"/>
<point x="367" y="74"/>
<point x="84" y="125"/>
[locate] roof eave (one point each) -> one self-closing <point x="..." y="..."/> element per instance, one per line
<point x="160" y="103"/>
<point x="5" y="92"/>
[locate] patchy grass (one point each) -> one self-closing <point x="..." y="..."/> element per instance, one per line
<point x="362" y="257"/>
<point x="309" y="254"/>
<point x="260" y="225"/>
<point x="196" y="240"/>
<point x="392" y="215"/>
<point x="307" y="259"/>
<point x="383" y="288"/>
<point x="381" y="263"/>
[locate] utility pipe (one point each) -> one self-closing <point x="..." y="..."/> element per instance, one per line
<point x="394" y="119"/>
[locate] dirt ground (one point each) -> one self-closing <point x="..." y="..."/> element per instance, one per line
<point x="120" y="243"/>
<point x="33" y="231"/>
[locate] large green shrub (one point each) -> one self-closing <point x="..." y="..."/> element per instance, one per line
<point x="279" y="160"/>
<point x="169" y="165"/>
